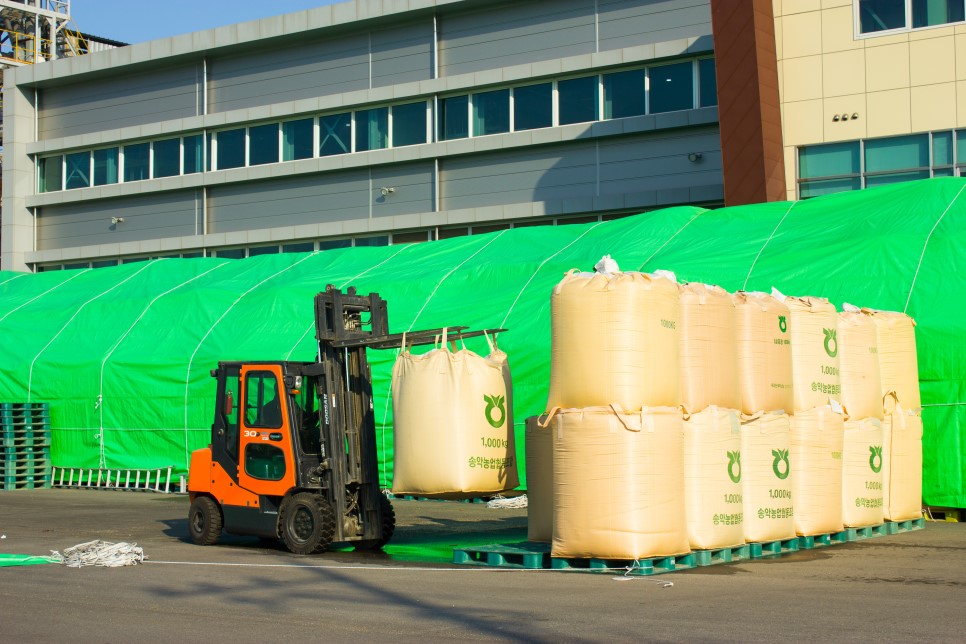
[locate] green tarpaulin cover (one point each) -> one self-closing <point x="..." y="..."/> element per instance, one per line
<point x="123" y="354"/>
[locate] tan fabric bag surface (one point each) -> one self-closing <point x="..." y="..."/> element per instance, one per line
<point x="766" y="483"/>
<point x="901" y="463"/>
<point x="862" y="473"/>
<point x="898" y="361"/>
<point x="539" y="448"/>
<point x="764" y="353"/>
<point x="712" y="478"/>
<point x="813" y="323"/>
<point x="817" y="437"/>
<point x="618" y="483"/>
<point x="859" y="363"/>
<point x="452" y="424"/>
<point x="614" y="339"/>
<point x="709" y="350"/>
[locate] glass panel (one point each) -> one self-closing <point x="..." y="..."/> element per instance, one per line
<point x="78" y="265"/>
<point x="881" y="15"/>
<point x="104" y="263"/>
<point x="926" y="13"/>
<point x="408" y="124"/>
<point x="943" y="172"/>
<point x="372" y="129"/>
<point x="307" y="418"/>
<point x="231" y="253"/>
<point x="297" y="139"/>
<point x="167" y="158"/>
<point x="454" y="120"/>
<point x="818" y="188"/>
<point x="193" y="154"/>
<point x="482" y="230"/>
<point x="50" y="173"/>
<point x="577" y="100"/>
<point x="192" y="255"/>
<point x="942" y="148"/>
<point x="624" y="94"/>
<point x="230" y="419"/>
<point x="264" y="461"/>
<point x="381" y="240"/>
<point x="707" y="84"/>
<point x="450" y="233"/>
<point x="262" y="250"/>
<point x="136" y="161"/>
<point x="410" y="238"/>
<point x="335" y="132"/>
<point x="672" y="87"/>
<point x="300" y="247"/>
<point x="231" y="149"/>
<point x="898" y="177"/>
<point x="78" y="170"/>
<point x="491" y="112"/>
<point x="828" y="160"/>
<point x="262" y="144"/>
<point x="331" y="244"/>
<point x="897" y="153"/>
<point x="105" y="166"/>
<point x="577" y="220"/>
<point x="532" y="106"/>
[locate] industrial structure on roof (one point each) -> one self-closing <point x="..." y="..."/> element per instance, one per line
<point x="377" y="122"/>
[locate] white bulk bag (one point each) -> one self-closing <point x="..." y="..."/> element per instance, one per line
<point x="764" y="353"/>
<point x="709" y="351"/>
<point x="813" y="323"/>
<point x="817" y="437"/>
<point x="898" y="362"/>
<point x="766" y="483"/>
<point x="859" y="362"/>
<point x="539" y="450"/>
<point x="901" y="463"/>
<point x="862" y="473"/>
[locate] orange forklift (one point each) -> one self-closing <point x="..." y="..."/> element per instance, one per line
<point x="293" y="451"/>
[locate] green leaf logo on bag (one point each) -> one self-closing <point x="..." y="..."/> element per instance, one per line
<point x="781" y="456"/>
<point x="734" y="459"/>
<point x="782" y="324"/>
<point x="876" y="454"/>
<point x="831" y="349"/>
<point x="495" y="402"/>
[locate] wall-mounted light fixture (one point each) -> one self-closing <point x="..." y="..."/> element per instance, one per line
<point x="387" y="190"/>
<point x="855" y="115"/>
<point x="836" y="118"/>
<point x="117" y="220"/>
<point x="694" y="157"/>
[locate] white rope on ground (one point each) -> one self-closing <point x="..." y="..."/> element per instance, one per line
<point x="40" y="295"/>
<point x="669" y="239"/>
<point x="767" y="241"/>
<point x="923" y="255"/>
<point x="500" y="502"/>
<point x="100" y="553"/>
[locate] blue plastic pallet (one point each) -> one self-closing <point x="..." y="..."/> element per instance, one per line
<point x="525" y="554"/>
<point x="645" y="566"/>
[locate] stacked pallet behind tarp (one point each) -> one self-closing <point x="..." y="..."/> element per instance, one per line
<point x="24" y="445"/>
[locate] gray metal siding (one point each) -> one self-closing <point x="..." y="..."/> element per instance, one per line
<point x="153" y="216"/>
<point x="627" y="165"/>
<point x="515" y="33"/>
<point x="320" y="198"/>
<point x="402" y="54"/>
<point x="137" y="99"/>
<point x="628" y="23"/>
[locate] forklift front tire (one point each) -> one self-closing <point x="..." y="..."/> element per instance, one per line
<point x="204" y="521"/>
<point x="307" y="523"/>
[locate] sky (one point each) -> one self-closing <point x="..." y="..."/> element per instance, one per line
<point x="134" y="21"/>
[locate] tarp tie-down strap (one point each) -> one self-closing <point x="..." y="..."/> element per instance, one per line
<point x="37" y="297"/>
<point x="923" y="254"/>
<point x="762" y="249"/>
<point x="670" y="239"/>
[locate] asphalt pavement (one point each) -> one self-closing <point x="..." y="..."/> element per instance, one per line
<point x="908" y="586"/>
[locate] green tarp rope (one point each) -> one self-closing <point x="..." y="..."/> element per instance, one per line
<point x="123" y="354"/>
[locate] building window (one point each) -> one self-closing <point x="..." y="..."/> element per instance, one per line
<point x="335" y="134"/>
<point x="332" y="244"/>
<point x="829" y="168"/>
<point x="876" y="16"/>
<point x="77" y="170"/>
<point x="50" y="173"/>
<point x="105" y="166"/>
<point x="167" y="158"/>
<point x="577" y="100"/>
<point x="532" y="106"/>
<point x="408" y="124"/>
<point x="137" y="162"/>
<point x="900" y="158"/>
<point x="707" y="84"/>
<point x="942" y="154"/>
<point x="410" y="238"/>
<point x="491" y="112"/>
<point x="230" y="149"/>
<point x="928" y="13"/>
<point x="194" y="154"/>
<point x="378" y="240"/>
<point x="624" y="94"/>
<point x="230" y="253"/>
<point x="298" y="247"/>
<point x="263" y="144"/>
<point x="297" y="139"/>
<point x="454" y="118"/>
<point x="262" y="250"/>
<point x="671" y="87"/>
<point x="372" y="129"/>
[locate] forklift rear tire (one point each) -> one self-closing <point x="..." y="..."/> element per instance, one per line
<point x="204" y="521"/>
<point x="388" y="527"/>
<point x="307" y="523"/>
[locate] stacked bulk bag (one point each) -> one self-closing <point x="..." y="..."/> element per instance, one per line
<point x="859" y="364"/>
<point x="539" y="455"/>
<point x="817" y="437"/>
<point x="898" y="363"/>
<point x="813" y="322"/>
<point x="862" y="497"/>
<point x="901" y="463"/>
<point x="618" y="483"/>
<point x="709" y="358"/>
<point x="614" y="339"/>
<point x="452" y="423"/>
<point x="764" y="353"/>
<point x="766" y="484"/>
<point x="712" y="478"/>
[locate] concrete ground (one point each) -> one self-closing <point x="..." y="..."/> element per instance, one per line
<point x="909" y="586"/>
